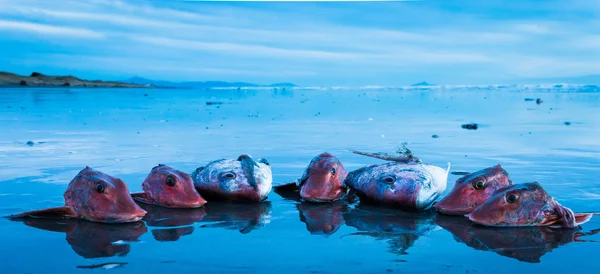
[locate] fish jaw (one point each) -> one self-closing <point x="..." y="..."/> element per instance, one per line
<point x="99" y="197"/>
<point x="167" y="187"/>
<point x="399" y="184"/>
<point x="323" y="179"/>
<point x="227" y="179"/>
<point x="520" y="205"/>
<point x="436" y="186"/>
<point x="473" y="190"/>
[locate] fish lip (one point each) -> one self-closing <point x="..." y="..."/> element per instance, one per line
<point x="196" y="204"/>
<point x="118" y="220"/>
<point x="472" y="219"/>
<point x="451" y="211"/>
<point x="317" y="200"/>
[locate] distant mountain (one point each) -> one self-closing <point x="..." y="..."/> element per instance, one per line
<point x="584" y="80"/>
<point x="420" y="84"/>
<point x="282" y="85"/>
<point x="201" y="84"/>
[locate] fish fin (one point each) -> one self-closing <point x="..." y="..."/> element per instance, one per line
<point x="63" y="212"/>
<point x="401" y="158"/>
<point x="293" y="186"/>
<point x="289" y="191"/>
<point x="582" y="218"/>
<point x="248" y="165"/>
<point x="142" y="197"/>
<point x="561" y="217"/>
<point x="264" y="161"/>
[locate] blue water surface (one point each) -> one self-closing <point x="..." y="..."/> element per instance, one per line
<point x="125" y="132"/>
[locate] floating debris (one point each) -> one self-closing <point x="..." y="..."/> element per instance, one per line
<point x="402" y="154"/>
<point x="529" y="99"/>
<point x="435" y="136"/>
<point x="459" y="172"/>
<point x="538" y="101"/>
<point x="471" y="126"/>
<point x="104" y="265"/>
<point x="567" y="123"/>
<point x="30" y="143"/>
<point x="213" y="103"/>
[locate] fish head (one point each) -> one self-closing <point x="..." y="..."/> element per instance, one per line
<point x="323" y="179"/>
<point x="169" y="187"/>
<point x="472" y="190"/>
<point x="526" y="204"/>
<point x="99" y="197"/>
<point x="235" y="179"/>
<point x="410" y="186"/>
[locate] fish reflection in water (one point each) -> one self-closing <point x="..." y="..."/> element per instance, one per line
<point x="322" y="218"/>
<point x="243" y="217"/>
<point x="401" y="229"/>
<point x="183" y="218"/>
<point x="91" y="239"/>
<point x="526" y="244"/>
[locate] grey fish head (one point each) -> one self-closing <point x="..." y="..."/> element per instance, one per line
<point x="408" y="186"/>
<point x="235" y="179"/>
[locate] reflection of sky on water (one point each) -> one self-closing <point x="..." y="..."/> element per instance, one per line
<point x="100" y="128"/>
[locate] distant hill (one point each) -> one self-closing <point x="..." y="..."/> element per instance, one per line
<point x="584" y="80"/>
<point x="420" y="84"/>
<point x="201" y="84"/>
<point x="37" y="79"/>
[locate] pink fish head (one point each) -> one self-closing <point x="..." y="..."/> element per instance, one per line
<point x="99" y="197"/>
<point x="525" y="204"/>
<point x="323" y="179"/>
<point x="169" y="187"/>
<point x="472" y="190"/>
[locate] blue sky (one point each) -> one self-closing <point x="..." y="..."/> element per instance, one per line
<point x="308" y="43"/>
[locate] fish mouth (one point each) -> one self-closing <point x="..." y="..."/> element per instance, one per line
<point x="315" y="189"/>
<point x="473" y="217"/>
<point x="190" y="204"/>
<point x="317" y="199"/>
<point x="129" y="218"/>
<point x="444" y="208"/>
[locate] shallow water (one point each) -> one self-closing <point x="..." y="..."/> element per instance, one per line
<point x="125" y="133"/>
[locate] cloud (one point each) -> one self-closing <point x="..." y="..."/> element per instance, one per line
<point x="334" y="42"/>
<point x="49" y="29"/>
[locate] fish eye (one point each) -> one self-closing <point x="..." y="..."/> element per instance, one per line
<point x="229" y="175"/>
<point x="479" y="185"/>
<point x="511" y="198"/>
<point x="100" y="188"/>
<point x="333" y="171"/>
<point x="389" y="179"/>
<point x="170" y="181"/>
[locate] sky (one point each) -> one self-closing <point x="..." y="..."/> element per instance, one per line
<point x="306" y="43"/>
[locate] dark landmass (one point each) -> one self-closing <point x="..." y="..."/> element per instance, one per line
<point x="201" y="84"/>
<point x="37" y="79"/>
<point x="421" y="84"/>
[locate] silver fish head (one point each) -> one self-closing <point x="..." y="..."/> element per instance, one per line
<point x="408" y="186"/>
<point x="243" y="179"/>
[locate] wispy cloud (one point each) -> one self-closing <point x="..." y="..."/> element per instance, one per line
<point x="16" y="26"/>
<point x="322" y="43"/>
